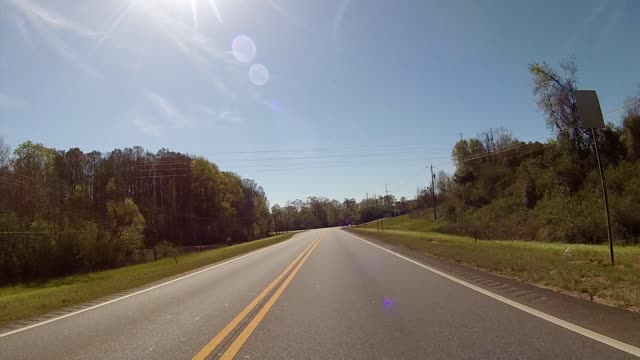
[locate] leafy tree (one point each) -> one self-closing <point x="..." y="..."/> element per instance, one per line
<point x="631" y="135"/>
<point x="125" y="226"/>
<point x="555" y="96"/>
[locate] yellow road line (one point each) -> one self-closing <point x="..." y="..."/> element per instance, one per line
<point x="207" y="349"/>
<point x="244" y="335"/>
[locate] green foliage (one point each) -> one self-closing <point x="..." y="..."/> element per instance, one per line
<point x="125" y="225"/>
<point x="631" y="135"/>
<point x="165" y="249"/>
<point x="554" y="91"/>
<point x="63" y="212"/>
<point x="576" y="218"/>
<point x="549" y="192"/>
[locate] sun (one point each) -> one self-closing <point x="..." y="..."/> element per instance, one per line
<point x="181" y="6"/>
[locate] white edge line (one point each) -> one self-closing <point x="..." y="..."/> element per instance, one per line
<point x="550" y="318"/>
<point x="139" y="292"/>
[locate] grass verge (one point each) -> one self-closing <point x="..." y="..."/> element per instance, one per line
<point x="407" y="223"/>
<point x="28" y="300"/>
<point x="586" y="273"/>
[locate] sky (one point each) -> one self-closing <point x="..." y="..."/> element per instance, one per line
<point x="333" y="98"/>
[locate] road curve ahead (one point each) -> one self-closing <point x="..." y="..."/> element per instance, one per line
<point x="324" y="294"/>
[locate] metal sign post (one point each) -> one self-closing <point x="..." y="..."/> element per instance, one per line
<point x="590" y="114"/>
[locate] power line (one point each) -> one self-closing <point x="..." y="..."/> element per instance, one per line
<point x="363" y="161"/>
<point x="355" y="148"/>
<point x="319" y="157"/>
<point x="537" y="148"/>
<point x="488" y="153"/>
<point x="634" y="103"/>
<point x="406" y="182"/>
<point x="511" y="147"/>
<point x="331" y="166"/>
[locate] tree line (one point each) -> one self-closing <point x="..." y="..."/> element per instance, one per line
<point x="67" y="211"/>
<point x="549" y="190"/>
<point x="317" y="212"/>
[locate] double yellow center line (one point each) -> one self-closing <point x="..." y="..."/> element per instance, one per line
<point x="235" y="347"/>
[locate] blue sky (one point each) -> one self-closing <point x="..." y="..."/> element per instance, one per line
<point x="355" y="94"/>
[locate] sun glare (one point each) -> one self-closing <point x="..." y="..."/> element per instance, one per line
<point x="183" y="6"/>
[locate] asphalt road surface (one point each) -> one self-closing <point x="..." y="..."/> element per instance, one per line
<point x="324" y="294"/>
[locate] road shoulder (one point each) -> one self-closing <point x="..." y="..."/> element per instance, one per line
<point x="616" y="323"/>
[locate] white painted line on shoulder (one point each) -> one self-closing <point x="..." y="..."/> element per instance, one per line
<point x="550" y="318"/>
<point x="138" y="292"/>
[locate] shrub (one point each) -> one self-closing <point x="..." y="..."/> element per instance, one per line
<point x="571" y="219"/>
<point x="165" y="249"/>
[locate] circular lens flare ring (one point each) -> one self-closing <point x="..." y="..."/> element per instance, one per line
<point x="243" y="49"/>
<point x="258" y="74"/>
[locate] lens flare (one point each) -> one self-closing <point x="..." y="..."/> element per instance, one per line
<point x="387" y="303"/>
<point x="258" y="74"/>
<point x="243" y="48"/>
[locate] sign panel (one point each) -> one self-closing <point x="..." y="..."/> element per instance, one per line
<point x="589" y="111"/>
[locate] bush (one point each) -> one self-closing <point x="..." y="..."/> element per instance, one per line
<point x="505" y="219"/>
<point x="165" y="249"/>
<point x="572" y="219"/>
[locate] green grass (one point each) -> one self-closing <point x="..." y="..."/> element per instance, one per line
<point x="408" y="223"/>
<point x="24" y="301"/>
<point x="585" y="273"/>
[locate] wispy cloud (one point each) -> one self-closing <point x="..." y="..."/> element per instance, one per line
<point x="47" y="24"/>
<point x="158" y="115"/>
<point x="167" y="110"/>
<point x="52" y="20"/>
<point x="216" y="11"/>
<point x="227" y="116"/>
<point x="337" y="20"/>
<point x="21" y="25"/>
<point x="146" y="125"/>
<point x="161" y="116"/>
<point x="10" y="102"/>
<point x="186" y="38"/>
<point x="220" y="116"/>
<point x="198" y="48"/>
<point x="604" y="17"/>
<point x="286" y="14"/>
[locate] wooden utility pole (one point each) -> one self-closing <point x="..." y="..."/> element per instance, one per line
<point x="386" y="199"/>
<point x="433" y="194"/>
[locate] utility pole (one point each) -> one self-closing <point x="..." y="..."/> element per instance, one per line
<point x="433" y="194"/>
<point x="386" y="199"/>
<point x="460" y="136"/>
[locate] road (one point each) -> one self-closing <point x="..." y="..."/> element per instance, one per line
<point x="324" y="294"/>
